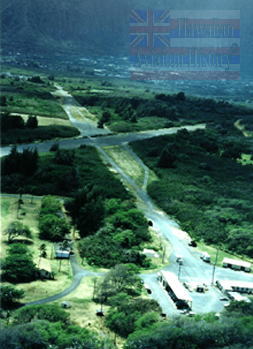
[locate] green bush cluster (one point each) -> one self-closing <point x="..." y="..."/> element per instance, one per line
<point x="119" y="240"/>
<point x="49" y="326"/>
<point x="53" y="225"/>
<point x="174" y="108"/>
<point x="18" y="266"/>
<point x="40" y="133"/>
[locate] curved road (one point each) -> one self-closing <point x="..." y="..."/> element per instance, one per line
<point x="78" y="274"/>
<point x="193" y="269"/>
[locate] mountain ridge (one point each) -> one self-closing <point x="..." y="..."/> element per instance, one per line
<point x="95" y="26"/>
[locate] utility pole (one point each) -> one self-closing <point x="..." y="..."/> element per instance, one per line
<point x="214" y="266"/>
<point x="164" y="254"/>
<point x="179" y="270"/>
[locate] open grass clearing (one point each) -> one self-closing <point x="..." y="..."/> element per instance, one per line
<point x="33" y="106"/>
<point x="246" y="159"/>
<point x="47" y="121"/>
<point x="127" y="162"/>
<point x="82" y="114"/>
<point x="131" y="165"/>
<point x="37" y="289"/>
<point x="83" y="309"/>
<point x="243" y="129"/>
<point x="30" y="98"/>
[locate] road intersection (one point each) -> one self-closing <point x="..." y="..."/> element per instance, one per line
<point x="193" y="268"/>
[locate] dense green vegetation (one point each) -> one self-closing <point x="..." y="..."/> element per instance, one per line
<point x="53" y="225"/>
<point x="47" y="326"/>
<point x="120" y="238"/>
<point x="121" y="289"/>
<point x="63" y="173"/>
<point x="18" y="266"/>
<point x="201" y="183"/>
<point x="99" y="206"/>
<point x="232" y="330"/>
<point x="203" y="186"/>
<point x="39" y="134"/>
<point x="10" y="296"/>
<point x="124" y="113"/>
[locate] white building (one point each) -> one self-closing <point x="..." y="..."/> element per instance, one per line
<point x="235" y="286"/>
<point x="235" y="296"/>
<point x="236" y="264"/>
<point x="174" y="287"/>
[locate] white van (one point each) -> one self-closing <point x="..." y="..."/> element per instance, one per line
<point x="205" y="257"/>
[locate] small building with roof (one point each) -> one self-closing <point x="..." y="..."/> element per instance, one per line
<point x="228" y="286"/>
<point x="62" y="252"/>
<point x="175" y="289"/>
<point x="236" y="264"/>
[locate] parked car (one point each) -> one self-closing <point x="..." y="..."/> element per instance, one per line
<point x="193" y="243"/>
<point x="205" y="257"/>
<point x="147" y="289"/>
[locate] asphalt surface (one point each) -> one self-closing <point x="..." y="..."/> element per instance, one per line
<point x="78" y="274"/>
<point x="101" y="141"/>
<point x="193" y="268"/>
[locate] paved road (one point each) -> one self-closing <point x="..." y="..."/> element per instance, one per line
<point x="78" y="274"/>
<point x="193" y="268"/>
<point x="101" y="141"/>
<point x="86" y="126"/>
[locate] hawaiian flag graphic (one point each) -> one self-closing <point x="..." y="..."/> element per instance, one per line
<point x="176" y="44"/>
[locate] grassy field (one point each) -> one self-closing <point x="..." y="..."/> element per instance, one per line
<point x="47" y="121"/>
<point x="83" y="309"/>
<point x="238" y="124"/>
<point x="114" y="86"/>
<point x="29" y="216"/>
<point x="127" y="163"/>
<point x="130" y="165"/>
<point x="246" y="159"/>
<point x="82" y="114"/>
<point x="30" y="98"/>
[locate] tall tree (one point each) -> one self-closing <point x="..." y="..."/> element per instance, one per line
<point x="10" y="296"/>
<point x="32" y="122"/>
<point x="18" y="266"/>
<point x="53" y="228"/>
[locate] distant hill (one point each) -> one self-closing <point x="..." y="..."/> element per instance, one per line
<point x="46" y="25"/>
<point x="95" y="26"/>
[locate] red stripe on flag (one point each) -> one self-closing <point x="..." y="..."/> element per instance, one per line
<point x="186" y="75"/>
